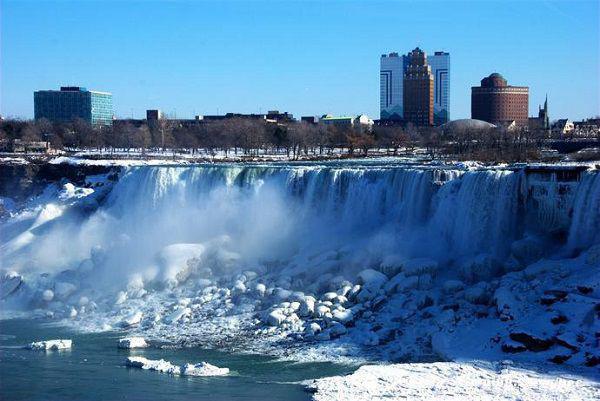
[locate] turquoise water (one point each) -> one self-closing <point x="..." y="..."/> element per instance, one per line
<point x="94" y="370"/>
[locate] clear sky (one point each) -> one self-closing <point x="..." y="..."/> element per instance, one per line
<point x="308" y="58"/>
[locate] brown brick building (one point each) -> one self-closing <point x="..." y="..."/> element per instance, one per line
<point x="418" y="90"/>
<point x="498" y="103"/>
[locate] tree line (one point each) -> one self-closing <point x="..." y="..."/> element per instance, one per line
<point x="250" y="137"/>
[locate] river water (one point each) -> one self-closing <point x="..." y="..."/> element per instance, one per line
<point x="94" y="369"/>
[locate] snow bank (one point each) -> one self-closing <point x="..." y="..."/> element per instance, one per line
<point x="452" y="381"/>
<point x="132" y="342"/>
<point x="50" y="345"/>
<point x="188" y="369"/>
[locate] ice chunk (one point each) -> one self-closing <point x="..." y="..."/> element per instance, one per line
<point x="203" y="369"/>
<point x="372" y="280"/>
<point x="188" y="369"/>
<point x="132" y="342"/>
<point x="50" y="345"/>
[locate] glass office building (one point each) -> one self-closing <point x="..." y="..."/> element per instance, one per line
<point x="391" y="91"/>
<point x="71" y="102"/>
<point x="440" y="68"/>
<point x="391" y="77"/>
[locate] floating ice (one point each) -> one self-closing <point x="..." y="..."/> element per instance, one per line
<point x="132" y="342"/>
<point x="200" y="369"/>
<point x="50" y="345"/>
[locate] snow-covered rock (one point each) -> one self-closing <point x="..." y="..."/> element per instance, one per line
<point x="276" y="317"/>
<point x="50" y="345"/>
<point x="132" y="342"/>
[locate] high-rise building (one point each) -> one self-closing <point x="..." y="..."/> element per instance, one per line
<point x="440" y="68"/>
<point x="391" y="82"/>
<point x="71" y="102"/>
<point x="391" y="94"/>
<point x="418" y="90"/>
<point x="498" y="103"/>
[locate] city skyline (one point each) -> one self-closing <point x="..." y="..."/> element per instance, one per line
<point x="184" y="64"/>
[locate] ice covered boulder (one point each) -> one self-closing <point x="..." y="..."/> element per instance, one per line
<point x="9" y="283"/>
<point x="371" y="282"/>
<point x="313" y="328"/>
<point x="483" y="267"/>
<point x="416" y="267"/>
<point x="527" y="250"/>
<point x="132" y="342"/>
<point x="132" y="319"/>
<point x="276" y="317"/>
<point x="260" y="289"/>
<point x="343" y="316"/>
<point x="238" y="288"/>
<point x="321" y="310"/>
<point x="307" y="306"/>
<point x="50" y="345"/>
<point x="329" y="296"/>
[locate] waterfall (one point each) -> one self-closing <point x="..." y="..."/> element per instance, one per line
<point x="585" y="225"/>
<point x="286" y="213"/>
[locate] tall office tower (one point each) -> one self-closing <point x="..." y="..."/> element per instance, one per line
<point x="440" y="68"/>
<point x="391" y="82"/>
<point x="499" y="103"/>
<point x="72" y="102"/>
<point x="418" y="90"/>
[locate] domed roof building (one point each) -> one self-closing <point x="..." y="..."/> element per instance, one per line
<point x="466" y="124"/>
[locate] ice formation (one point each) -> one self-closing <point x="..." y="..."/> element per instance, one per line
<point x="395" y="262"/>
<point x="132" y="342"/>
<point x="188" y="369"/>
<point x="50" y="345"/>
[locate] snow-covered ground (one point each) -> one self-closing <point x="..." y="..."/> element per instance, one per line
<point x="454" y="381"/>
<point x="361" y="261"/>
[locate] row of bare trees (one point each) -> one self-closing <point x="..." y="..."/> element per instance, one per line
<point x="252" y="137"/>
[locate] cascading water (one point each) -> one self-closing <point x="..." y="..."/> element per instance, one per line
<point x="275" y="212"/>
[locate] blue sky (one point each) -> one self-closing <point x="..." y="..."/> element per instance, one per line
<point x="308" y="58"/>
